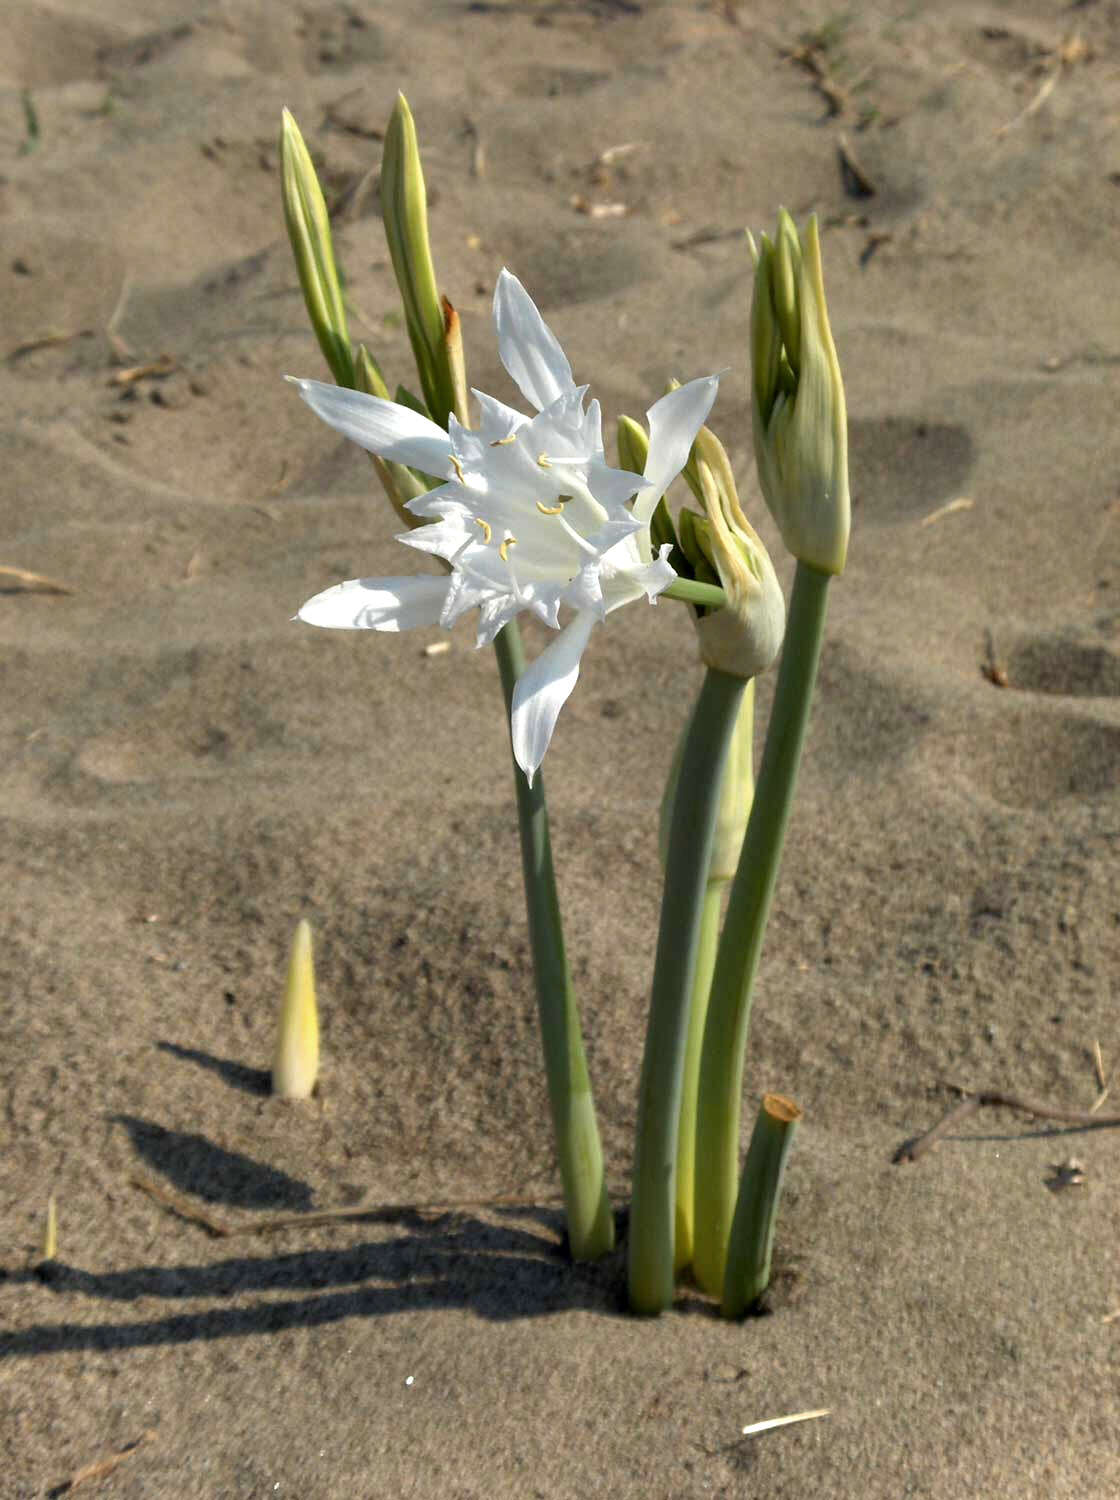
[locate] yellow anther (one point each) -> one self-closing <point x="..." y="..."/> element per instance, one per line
<point x="458" y="467"/>
<point x="554" y="510"/>
<point x="544" y="461"/>
<point x="503" y="550"/>
<point x="501" y="442"/>
<point x="485" y="525"/>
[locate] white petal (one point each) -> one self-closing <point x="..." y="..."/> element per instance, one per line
<point x="543" y="689"/>
<point x="391" y="431"/>
<point x="378" y="604"/>
<point x="527" y="346"/>
<point x="612" y="486"/>
<point x="650" y="579"/>
<point x="498" y="419"/>
<point x="674" y="422"/>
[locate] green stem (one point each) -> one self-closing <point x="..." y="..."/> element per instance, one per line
<point x="729" y="1008"/>
<point x="652" y="1209"/>
<point x="689" y="591"/>
<point x="756" y="1212"/>
<point x="590" y="1223"/>
<point x="697" y="1013"/>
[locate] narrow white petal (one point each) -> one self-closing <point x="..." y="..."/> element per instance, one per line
<point x="391" y="431"/>
<point x="543" y="689"/>
<point x="378" y="604"/>
<point x="674" y="422"/>
<point x="528" y="347"/>
<point x="499" y="421"/>
<point x="650" y="579"/>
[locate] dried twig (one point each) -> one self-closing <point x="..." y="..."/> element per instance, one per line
<point x="178" y="1204"/>
<point x="155" y="369"/>
<point x="857" y="182"/>
<point x="13" y="580"/>
<point x="47" y="341"/>
<point x="121" y="350"/>
<point x="797" y="1416"/>
<point x="1098" y="1066"/>
<point x="220" y="1229"/>
<point x="950" y="508"/>
<point x="101" y="1467"/>
<point x="1102" y="1078"/>
<point x="968" y="1106"/>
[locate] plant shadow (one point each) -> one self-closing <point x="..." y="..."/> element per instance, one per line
<point x="500" y="1271"/>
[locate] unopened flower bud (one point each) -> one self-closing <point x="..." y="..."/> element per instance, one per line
<point x="309" y="230"/>
<point x="799" y="416"/>
<point x="296" y="1064"/>
<point x="744" y="637"/>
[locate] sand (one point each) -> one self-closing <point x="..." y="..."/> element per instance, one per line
<point x="185" y="772"/>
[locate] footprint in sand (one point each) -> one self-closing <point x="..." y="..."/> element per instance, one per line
<point x="1050" y="751"/>
<point x="905" y="467"/>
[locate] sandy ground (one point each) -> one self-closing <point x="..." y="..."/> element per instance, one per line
<point x="185" y="772"/>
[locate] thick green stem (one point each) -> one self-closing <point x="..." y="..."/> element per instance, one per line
<point x="729" y="1008"/>
<point x="697" y="1014"/>
<point x="653" y="1208"/>
<point x="756" y="1213"/>
<point x="590" y="1223"/>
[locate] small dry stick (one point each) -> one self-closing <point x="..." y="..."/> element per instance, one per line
<point x="857" y="183"/>
<point x="949" y="509"/>
<point x="1098" y="1065"/>
<point x="1102" y="1078"/>
<point x="971" y="1103"/>
<point x="101" y="1467"/>
<point x="153" y="369"/>
<point x="797" y="1416"/>
<point x="48" y="341"/>
<point x="185" y="1209"/>
<point x="32" y="583"/>
<point x="120" y="349"/>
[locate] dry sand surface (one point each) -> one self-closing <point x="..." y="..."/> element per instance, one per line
<point x="185" y="772"/>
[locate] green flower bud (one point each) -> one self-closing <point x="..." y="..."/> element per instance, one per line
<point x="309" y="230"/>
<point x="799" y="415"/>
<point x="404" y="209"/>
<point x="744" y="637"/>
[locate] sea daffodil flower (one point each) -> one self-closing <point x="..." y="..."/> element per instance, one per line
<point x="530" y="516"/>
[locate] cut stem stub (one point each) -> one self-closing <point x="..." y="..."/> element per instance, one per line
<point x="747" y="1273"/>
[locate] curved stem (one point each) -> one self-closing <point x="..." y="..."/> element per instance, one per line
<point x="729" y="1008"/>
<point x="652" y="1209"/>
<point x="590" y="1223"/>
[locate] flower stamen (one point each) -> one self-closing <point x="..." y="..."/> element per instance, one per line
<point x="458" y="467"/>
<point x="554" y="510"/>
<point x="543" y="461"/>
<point x="501" y="442"/>
<point x="485" y="527"/>
<point x="503" y="550"/>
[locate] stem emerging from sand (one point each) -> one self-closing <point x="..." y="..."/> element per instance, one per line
<point x="729" y="1009"/>
<point x="653" y="1208"/>
<point x="590" y="1224"/>
<point x="756" y="1212"/>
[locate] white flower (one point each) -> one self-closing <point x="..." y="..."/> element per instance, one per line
<point x="531" y="517"/>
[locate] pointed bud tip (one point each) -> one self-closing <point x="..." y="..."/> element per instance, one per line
<point x="296" y="1065"/>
